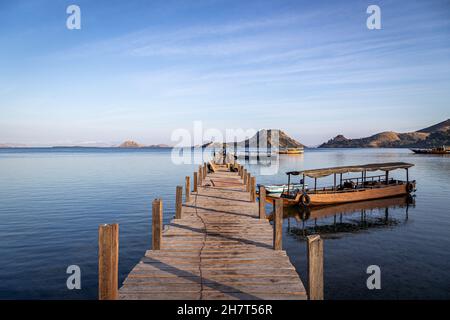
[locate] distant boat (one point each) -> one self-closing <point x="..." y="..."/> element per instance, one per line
<point x="438" y="150"/>
<point x="291" y="150"/>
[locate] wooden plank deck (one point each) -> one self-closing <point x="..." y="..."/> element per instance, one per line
<point x="219" y="249"/>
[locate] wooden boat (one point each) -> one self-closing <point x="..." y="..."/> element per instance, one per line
<point x="291" y="151"/>
<point x="438" y="150"/>
<point x="351" y="189"/>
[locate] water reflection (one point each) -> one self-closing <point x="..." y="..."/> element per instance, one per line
<point x="334" y="221"/>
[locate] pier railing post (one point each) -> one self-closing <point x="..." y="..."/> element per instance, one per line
<point x="188" y="189"/>
<point x="315" y="267"/>
<point x="205" y="170"/>
<point x="278" y="225"/>
<point x="253" y="189"/>
<point x="200" y="175"/>
<point x="245" y="176"/>
<point x="249" y="181"/>
<point x="178" y="202"/>
<point x="157" y="224"/>
<point x="196" y="181"/>
<point x="108" y="261"/>
<point x="262" y="202"/>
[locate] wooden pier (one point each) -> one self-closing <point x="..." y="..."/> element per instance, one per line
<point x="219" y="246"/>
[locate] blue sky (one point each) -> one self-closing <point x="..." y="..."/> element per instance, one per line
<point x="141" y="69"/>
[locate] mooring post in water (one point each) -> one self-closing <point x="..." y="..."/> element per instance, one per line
<point x="200" y="175"/>
<point x="108" y="261"/>
<point x="188" y="189"/>
<point x="278" y="225"/>
<point x="157" y="212"/>
<point x="178" y="202"/>
<point x="262" y="202"/>
<point x="253" y="189"/>
<point x="315" y="267"/>
<point x="249" y="181"/>
<point x="195" y="181"/>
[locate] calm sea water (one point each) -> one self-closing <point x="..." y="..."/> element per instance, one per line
<point x="52" y="201"/>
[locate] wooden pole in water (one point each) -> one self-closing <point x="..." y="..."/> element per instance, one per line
<point x="178" y="202"/>
<point x="196" y="181"/>
<point x="188" y="189"/>
<point x="157" y="212"/>
<point x="315" y="267"/>
<point x="278" y="225"/>
<point x="262" y="202"/>
<point x="253" y="189"/>
<point x="108" y="262"/>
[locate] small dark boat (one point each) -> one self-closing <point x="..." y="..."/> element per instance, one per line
<point x="438" y="150"/>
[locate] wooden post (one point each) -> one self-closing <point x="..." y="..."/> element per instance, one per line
<point x="245" y="176"/>
<point x="249" y="181"/>
<point x="200" y="175"/>
<point x="205" y="170"/>
<point x="278" y="225"/>
<point x="157" y="223"/>
<point x="315" y="267"/>
<point x="188" y="189"/>
<point x="178" y="202"/>
<point x="253" y="189"/>
<point x="108" y="261"/>
<point x="196" y="181"/>
<point x="262" y="202"/>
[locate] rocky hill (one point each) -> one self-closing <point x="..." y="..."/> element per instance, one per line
<point x="435" y="135"/>
<point x="285" y="141"/>
<point x="130" y="144"/>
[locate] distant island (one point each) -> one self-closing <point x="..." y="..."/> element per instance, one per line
<point x="435" y="135"/>
<point x="133" y="144"/>
<point x="285" y="141"/>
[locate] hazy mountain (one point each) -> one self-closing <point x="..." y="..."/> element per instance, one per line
<point x="435" y="135"/>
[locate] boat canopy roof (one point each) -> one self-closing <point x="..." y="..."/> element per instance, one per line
<point x="319" y="173"/>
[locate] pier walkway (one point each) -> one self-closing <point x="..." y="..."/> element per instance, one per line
<point x="219" y="249"/>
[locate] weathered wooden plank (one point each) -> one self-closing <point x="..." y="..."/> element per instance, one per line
<point x="219" y="248"/>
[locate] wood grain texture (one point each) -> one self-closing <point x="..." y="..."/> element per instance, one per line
<point x="315" y="267"/>
<point x="219" y="249"/>
<point x="178" y="202"/>
<point x="157" y="223"/>
<point x="262" y="202"/>
<point x="278" y="225"/>
<point x="108" y="261"/>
